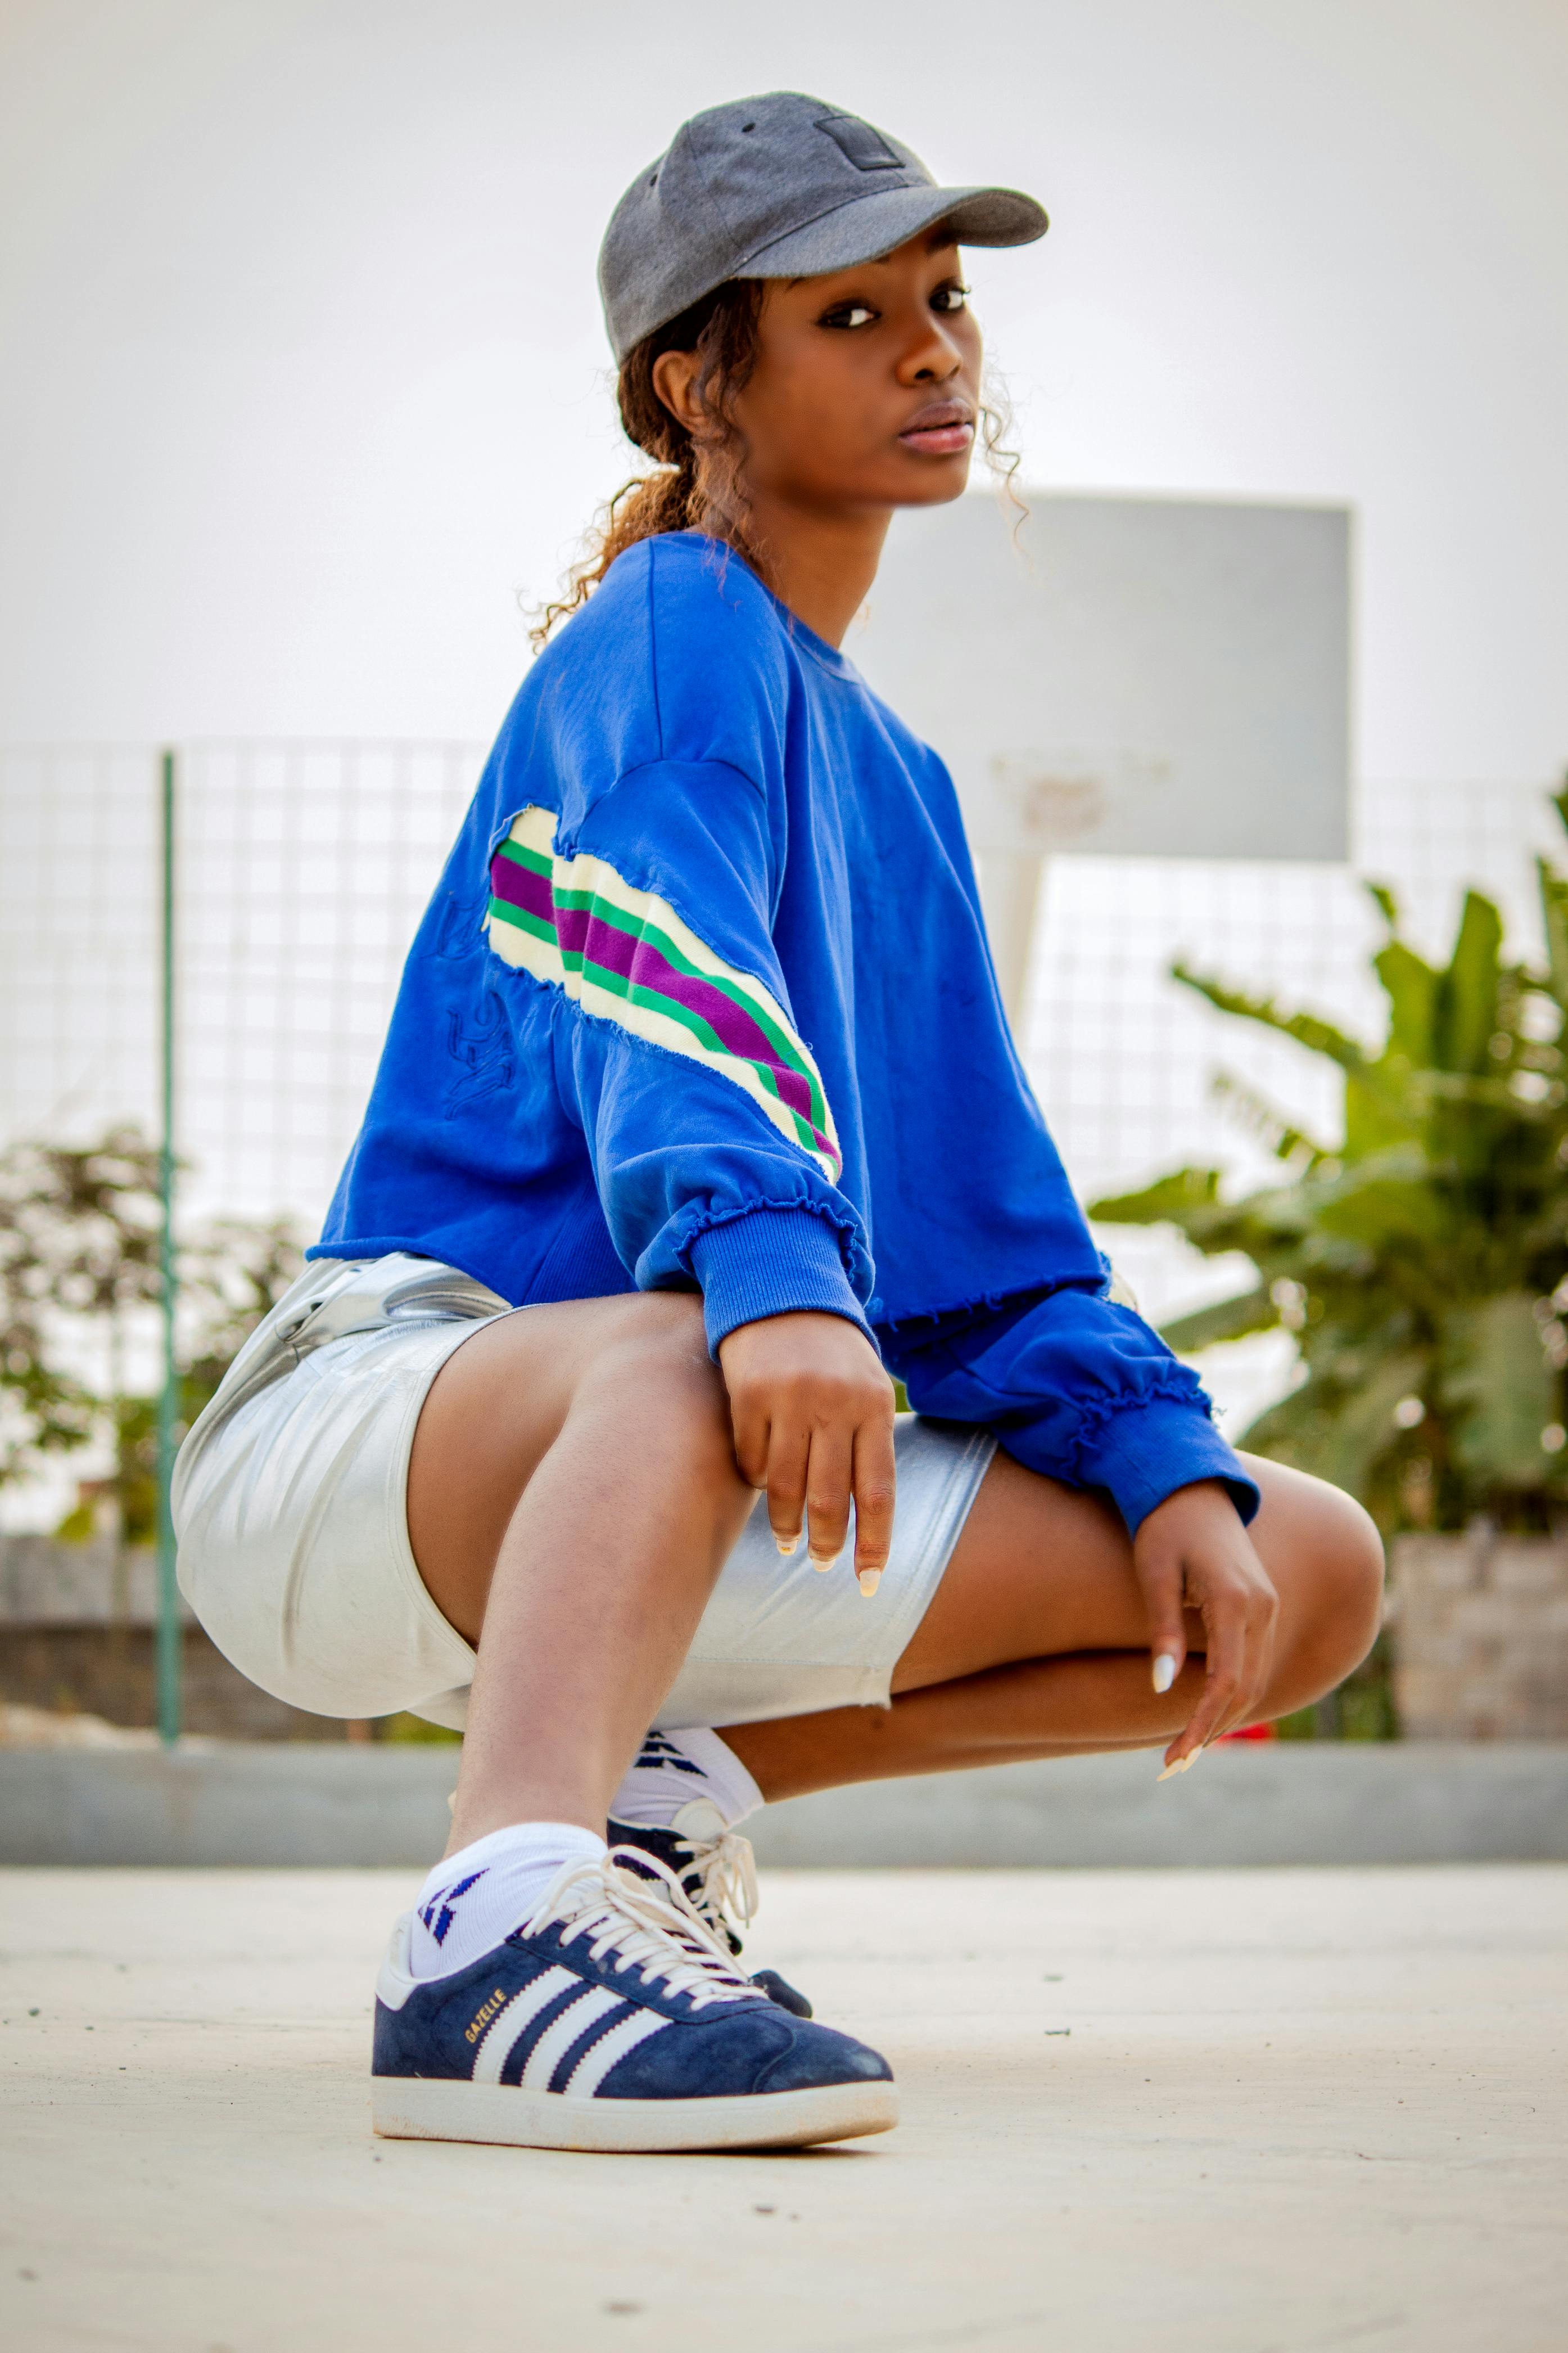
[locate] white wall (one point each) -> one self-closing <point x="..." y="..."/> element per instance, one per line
<point x="302" y="377"/>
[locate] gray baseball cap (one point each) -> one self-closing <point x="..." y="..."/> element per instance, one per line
<point x="781" y="186"/>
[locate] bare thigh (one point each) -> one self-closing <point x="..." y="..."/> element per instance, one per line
<point x="1042" y="1570"/>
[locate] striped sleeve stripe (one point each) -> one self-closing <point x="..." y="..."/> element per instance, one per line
<point x="626" y="955"/>
<point x="565" y="2029"/>
<point x="601" y="2056"/>
<point x="512" y="2022"/>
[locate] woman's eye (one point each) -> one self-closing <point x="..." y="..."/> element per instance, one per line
<point x="849" y="314"/>
<point x="950" y="297"/>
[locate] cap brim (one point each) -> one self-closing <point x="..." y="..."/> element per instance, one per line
<point x="870" y="225"/>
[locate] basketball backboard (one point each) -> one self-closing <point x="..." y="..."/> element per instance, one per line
<point x="1140" y="677"/>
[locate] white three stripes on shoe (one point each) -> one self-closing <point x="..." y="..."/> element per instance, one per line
<point x="510" y="2026"/>
<point x="594" y="2002"/>
<point x="596" y="2062"/>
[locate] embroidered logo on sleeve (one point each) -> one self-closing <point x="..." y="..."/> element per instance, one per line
<point x="626" y="955"/>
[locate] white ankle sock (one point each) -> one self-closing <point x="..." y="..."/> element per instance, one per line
<point x="475" y="1898"/>
<point x="675" y="1766"/>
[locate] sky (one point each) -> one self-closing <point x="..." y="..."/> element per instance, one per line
<point x="304" y="394"/>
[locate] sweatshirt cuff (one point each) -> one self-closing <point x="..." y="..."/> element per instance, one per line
<point x="1142" y="1453"/>
<point x="771" y="1262"/>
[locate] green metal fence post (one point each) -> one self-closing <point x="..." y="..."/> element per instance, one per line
<point x="169" y="1400"/>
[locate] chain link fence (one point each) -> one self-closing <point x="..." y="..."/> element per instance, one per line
<point x="1123" y="1059"/>
<point x="301" y="870"/>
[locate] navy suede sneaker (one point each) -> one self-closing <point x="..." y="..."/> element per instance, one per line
<point x="614" y="2019"/>
<point x="715" y="1866"/>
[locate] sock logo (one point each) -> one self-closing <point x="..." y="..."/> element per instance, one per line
<point x="660" y="1753"/>
<point x="438" y="1914"/>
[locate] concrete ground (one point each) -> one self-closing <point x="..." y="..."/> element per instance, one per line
<point x="1245" y="2111"/>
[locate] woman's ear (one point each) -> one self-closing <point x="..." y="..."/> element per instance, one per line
<point x="674" y="379"/>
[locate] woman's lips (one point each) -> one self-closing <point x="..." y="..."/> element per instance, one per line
<point x="943" y="430"/>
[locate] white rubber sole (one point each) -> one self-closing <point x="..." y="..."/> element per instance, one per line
<point x="410" y="2107"/>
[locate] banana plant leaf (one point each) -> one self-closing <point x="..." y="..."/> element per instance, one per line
<point x="1553" y="889"/>
<point x="1337" y="1434"/>
<point x="1228" y="1319"/>
<point x="1422" y="1264"/>
<point x="1410" y="984"/>
<point x="1467" y="1002"/>
<point x="1175" y="1198"/>
<point x="1496" y="1383"/>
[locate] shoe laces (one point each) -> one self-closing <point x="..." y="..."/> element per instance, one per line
<point x="620" y="1914"/>
<point x="725" y="1871"/>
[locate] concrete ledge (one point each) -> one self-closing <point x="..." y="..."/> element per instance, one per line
<point x="242" y="1802"/>
<point x="1291" y="1803"/>
<point x="43" y="1582"/>
<point x="1285" y="1802"/>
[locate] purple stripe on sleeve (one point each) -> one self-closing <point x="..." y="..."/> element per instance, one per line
<point x="618" y="951"/>
<point x="520" y="886"/>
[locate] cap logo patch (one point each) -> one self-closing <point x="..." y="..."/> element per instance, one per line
<point x="859" y="144"/>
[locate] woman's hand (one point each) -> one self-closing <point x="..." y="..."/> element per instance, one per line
<point x="1193" y="1553"/>
<point x="812" y="1416"/>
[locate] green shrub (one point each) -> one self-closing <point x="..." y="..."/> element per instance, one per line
<point x="1422" y="1264"/>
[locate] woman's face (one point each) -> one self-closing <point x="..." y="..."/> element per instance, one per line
<point x="866" y="392"/>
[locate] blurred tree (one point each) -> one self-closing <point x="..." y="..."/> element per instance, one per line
<point x="233" y="1272"/>
<point x="79" y="1256"/>
<point x="79" y="1284"/>
<point x="1422" y="1264"/>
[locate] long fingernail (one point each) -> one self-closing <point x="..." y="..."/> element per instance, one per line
<point x="786" y="1544"/>
<point x="869" y="1580"/>
<point x="1181" y="1765"/>
<point x="1164" y="1671"/>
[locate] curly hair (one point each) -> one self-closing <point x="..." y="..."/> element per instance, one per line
<point x="697" y="482"/>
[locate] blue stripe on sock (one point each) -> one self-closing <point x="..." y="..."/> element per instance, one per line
<point x="438" y="1914"/>
<point x="660" y="1753"/>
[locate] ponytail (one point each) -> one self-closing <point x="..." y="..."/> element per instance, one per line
<point x="696" y="484"/>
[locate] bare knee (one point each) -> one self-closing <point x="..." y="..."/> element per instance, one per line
<point x="655" y="1336"/>
<point x="509" y="1394"/>
<point x="1349" y="1573"/>
<point x="1326" y="1558"/>
<point x="652" y="1366"/>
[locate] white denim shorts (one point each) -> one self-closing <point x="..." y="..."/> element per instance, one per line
<point x="291" y="1511"/>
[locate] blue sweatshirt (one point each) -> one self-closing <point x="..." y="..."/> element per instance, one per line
<point x="704" y="999"/>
